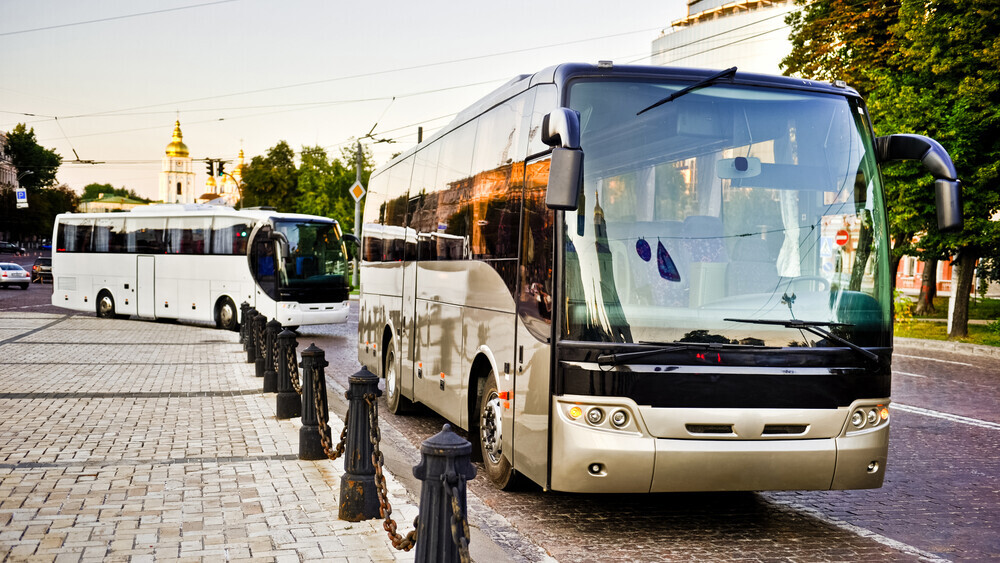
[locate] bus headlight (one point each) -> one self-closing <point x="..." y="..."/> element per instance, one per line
<point x="595" y="416"/>
<point x="873" y="417"/>
<point x="858" y="418"/>
<point x="619" y="418"/>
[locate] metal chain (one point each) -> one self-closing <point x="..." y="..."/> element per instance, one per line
<point x="259" y="339"/>
<point x="322" y="417"/>
<point x="461" y="538"/>
<point x="402" y="543"/>
<point x="275" y="349"/>
<point x="293" y="370"/>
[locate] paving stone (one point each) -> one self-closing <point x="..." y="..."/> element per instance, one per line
<point x="137" y="441"/>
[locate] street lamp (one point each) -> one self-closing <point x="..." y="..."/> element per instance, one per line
<point x="22" y="175"/>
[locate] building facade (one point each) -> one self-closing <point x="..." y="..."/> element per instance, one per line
<point x="748" y="34"/>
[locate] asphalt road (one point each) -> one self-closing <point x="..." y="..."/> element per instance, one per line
<point x="940" y="501"/>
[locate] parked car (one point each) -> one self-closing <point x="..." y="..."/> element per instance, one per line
<point x="41" y="270"/>
<point x="12" y="274"/>
<point x="11" y="248"/>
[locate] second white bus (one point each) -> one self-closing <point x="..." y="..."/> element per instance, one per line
<point x="199" y="262"/>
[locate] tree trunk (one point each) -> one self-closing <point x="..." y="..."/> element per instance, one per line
<point x="928" y="289"/>
<point x="961" y="286"/>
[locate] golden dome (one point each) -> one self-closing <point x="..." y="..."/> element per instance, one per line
<point x="177" y="146"/>
<point x="210" y="182"/>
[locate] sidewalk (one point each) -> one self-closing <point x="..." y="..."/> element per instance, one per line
<point x="142" y="441"/>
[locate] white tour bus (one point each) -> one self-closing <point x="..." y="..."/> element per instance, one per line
<point x="199" y="262"/>
<point x="703" y="303"/>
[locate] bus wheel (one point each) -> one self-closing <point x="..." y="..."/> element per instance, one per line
<point x="394" y="399"/>
<point x="105" y="305"/>
<point x="225" y="315"/>
<point x="498" y="467"/>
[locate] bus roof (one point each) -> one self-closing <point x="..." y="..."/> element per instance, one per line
<point x="563" y="73"/>
<point x="197" y="210"/>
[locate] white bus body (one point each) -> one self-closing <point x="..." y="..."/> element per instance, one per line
<point x="199" y="262"/>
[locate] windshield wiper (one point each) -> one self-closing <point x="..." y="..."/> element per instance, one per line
<point x="814" y="327"/>
<point x="700" y="84"/>
<point x="664" y="347"/>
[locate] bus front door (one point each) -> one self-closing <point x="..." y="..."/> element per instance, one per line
<point x="145" y="286"/>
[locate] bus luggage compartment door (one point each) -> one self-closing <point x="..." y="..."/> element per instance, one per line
<point x="145" y="286"/>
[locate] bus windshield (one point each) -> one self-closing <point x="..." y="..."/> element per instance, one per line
<point x="724" y="206"/>
<point x="313" y="259"/>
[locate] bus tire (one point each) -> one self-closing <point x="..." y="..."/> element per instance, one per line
<point x="105" y="305"/>
<point x="495" y="461"/>
<point x="226" y="315"/>
<point x="394" y="399"/>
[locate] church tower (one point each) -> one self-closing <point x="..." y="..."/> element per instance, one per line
<point x="176" y="178"/>
<point x="233" y="182"/>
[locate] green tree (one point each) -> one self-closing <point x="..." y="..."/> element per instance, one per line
<point x="272" y="180"/>
<point x="28" y="156"/>
<point x="930" y="67"/>
<point x="45" y="199"/>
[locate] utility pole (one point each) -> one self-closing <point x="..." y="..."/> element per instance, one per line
<point x="357" y="215"/>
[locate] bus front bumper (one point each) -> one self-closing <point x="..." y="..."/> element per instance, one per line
<point x="599" y="460"/>
<point x="300" y="314"/>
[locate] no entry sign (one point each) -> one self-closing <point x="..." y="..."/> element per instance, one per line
<point x="842" y="237"/>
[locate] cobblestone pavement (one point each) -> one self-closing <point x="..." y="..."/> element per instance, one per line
<point x="140" y="441"/>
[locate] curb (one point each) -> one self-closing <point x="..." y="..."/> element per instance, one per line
<point x="947" y="346"/>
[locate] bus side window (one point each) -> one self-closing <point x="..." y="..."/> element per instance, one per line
<point x="145" y="235"/>
<point x="371" y="233"/>
<point x="423" y="218"/>
<point x="453" y="191"/>
<point x="395" y="210"/>
<point x="74" y="235"/>
<point x="535" y="268"/>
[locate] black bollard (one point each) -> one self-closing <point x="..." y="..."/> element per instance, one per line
<point x="244" y="308"/>
<point x="310" y="442"/>
<point x="270" y="357"/>
<point x="288" y="403"/>
<point x="250" y="342"/>
<point x="445" y="462"/>
<point x="358" y="493"/>
<point x="260" y="340"/>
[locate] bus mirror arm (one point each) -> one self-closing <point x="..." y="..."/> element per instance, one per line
<point x="352" y="243"/>
<point x="561" y="131"/>
<point x="947" y="187"/>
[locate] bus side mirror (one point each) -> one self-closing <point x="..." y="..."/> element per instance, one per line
<point x="947" y="187"/>
<point x="561" y="130"/>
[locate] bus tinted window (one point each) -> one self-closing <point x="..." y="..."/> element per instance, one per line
<point x="545" y="102"/>
<point x="145" y="234"/>
<point x="188" y="235"/>
<point x="452" y="195"/>
<point x="109" y="235"/>
<point x="395" y="210"/>
<point x="75" y="235"/>
<point x="371" y="245"/>
<point x="423" y="206"/>
<point x="230" y="235"/>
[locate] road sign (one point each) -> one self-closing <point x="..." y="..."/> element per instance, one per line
<point x="357" y="191"/>
<point x="843" y="237"/>
<point x="22" y="198"/>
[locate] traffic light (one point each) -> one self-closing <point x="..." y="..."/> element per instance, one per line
<point x="222" y="167"/>
<point x="209" y="165"/>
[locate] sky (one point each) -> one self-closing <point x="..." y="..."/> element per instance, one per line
<point x="104" y="81"/>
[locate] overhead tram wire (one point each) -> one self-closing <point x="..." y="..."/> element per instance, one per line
<point x="113" y="18"/>
<point x="374" y="73"/>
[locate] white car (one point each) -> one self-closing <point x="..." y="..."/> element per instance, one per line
<point x="12" y="274"/>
